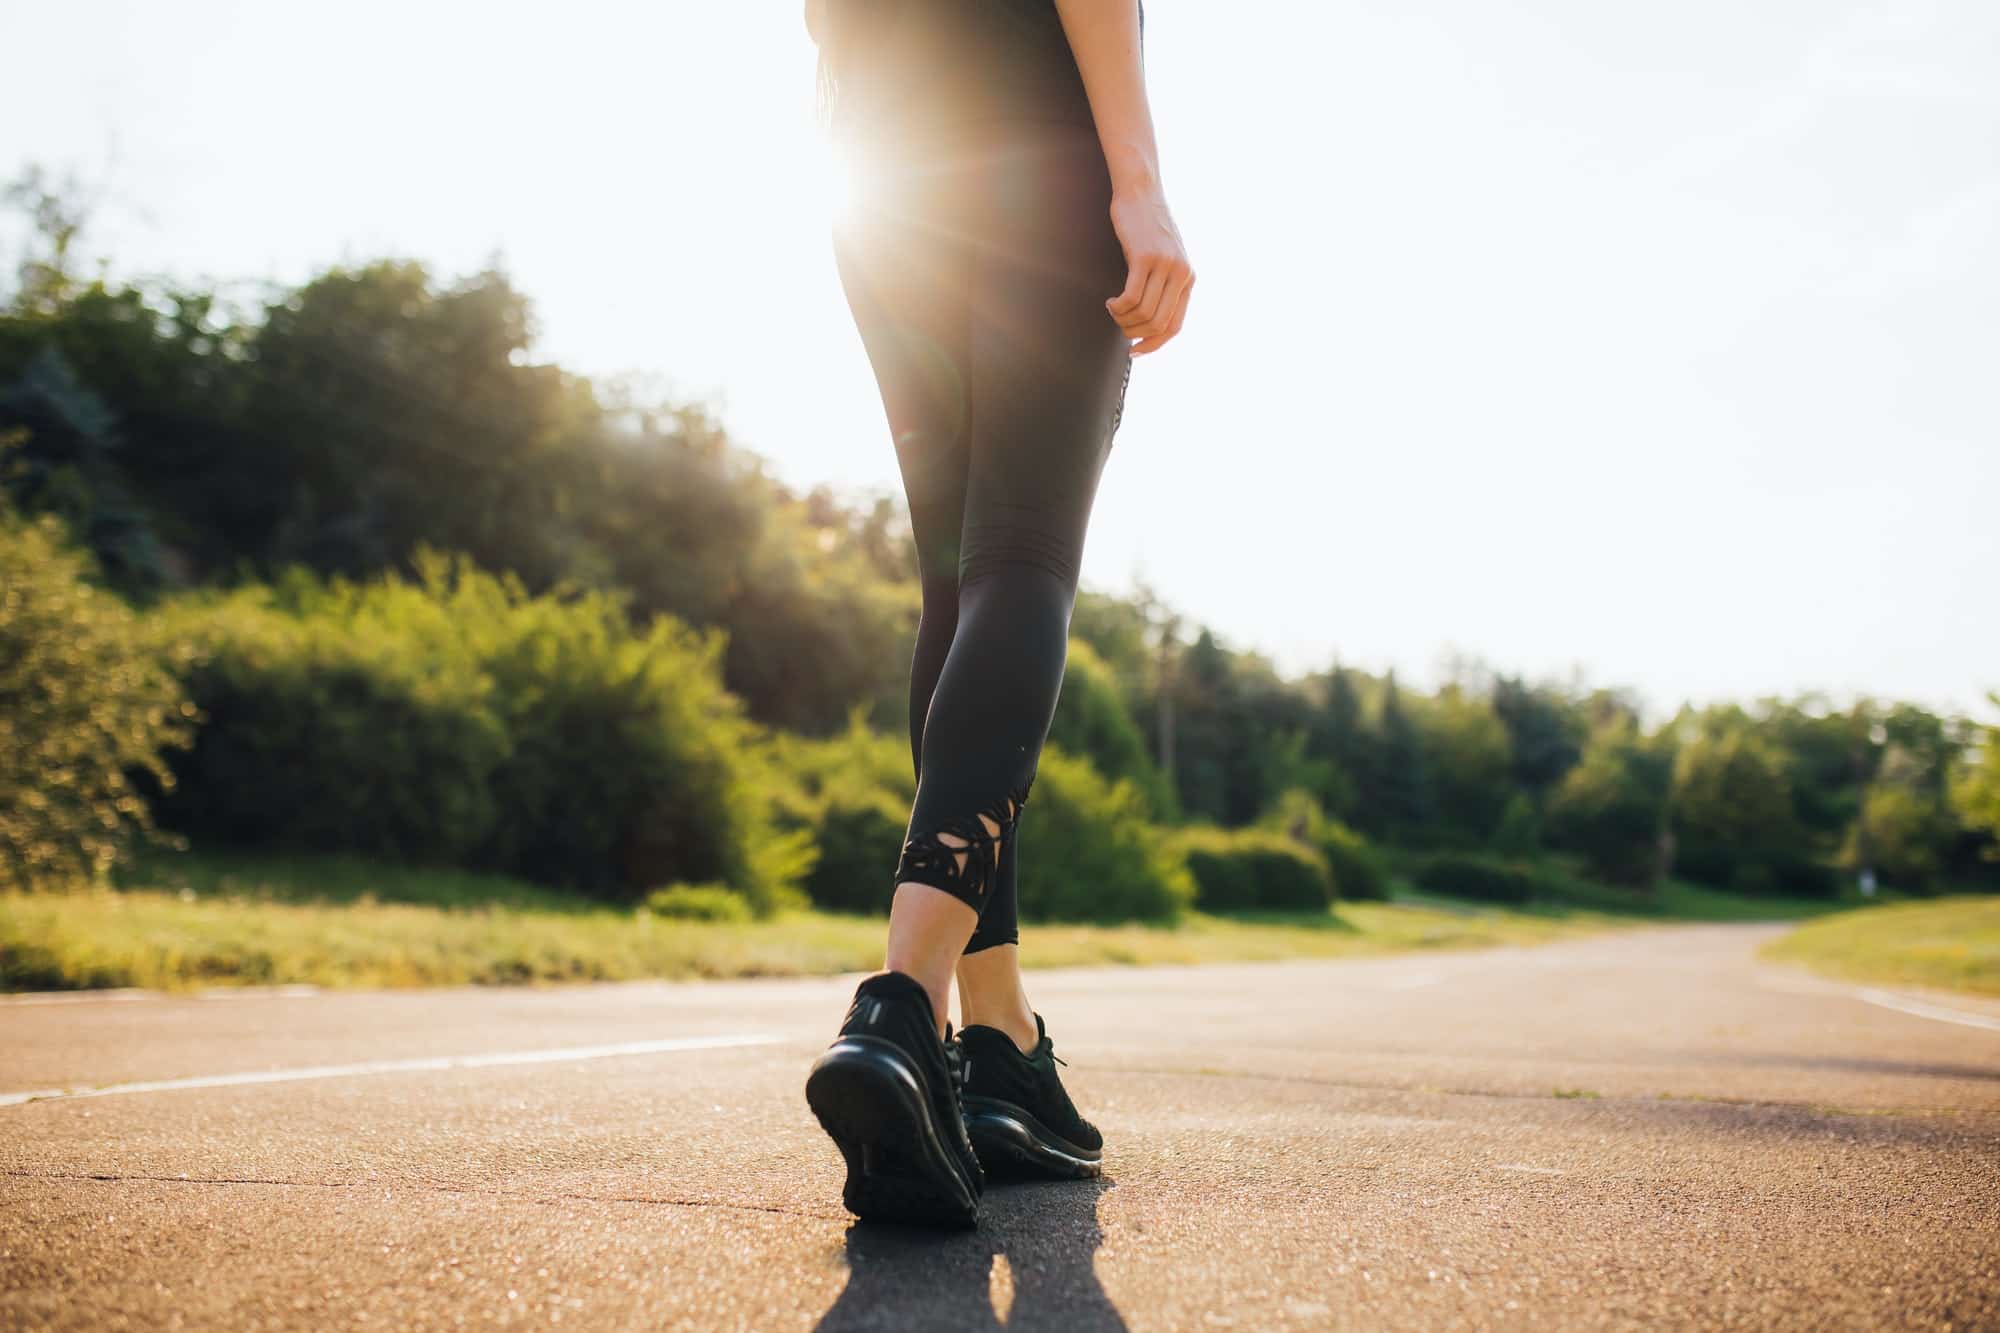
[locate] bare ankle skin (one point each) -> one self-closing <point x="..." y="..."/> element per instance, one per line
<point x="991" y="994"/>
<point x="928" y="930"/>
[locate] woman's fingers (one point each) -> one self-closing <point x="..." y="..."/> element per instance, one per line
<point x="1126" y="302"/>
<point x="1178" y="317"/>
<point x="1156" y="281"/>
<point x="1165" y="319"/>
<point x="1148" y="314"/>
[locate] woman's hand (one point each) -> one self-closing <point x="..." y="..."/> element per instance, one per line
<point x="1153" y="305"/>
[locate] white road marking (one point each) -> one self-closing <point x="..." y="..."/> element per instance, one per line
<point x="1904" y="1005"/>
<point x="426" y="1064"/>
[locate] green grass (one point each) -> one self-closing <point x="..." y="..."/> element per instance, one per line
<point x="1682" y="901"/>
<point x="195" y="920"/>
<point x="1951" y="943"/>
<point x="1675" y="900"/>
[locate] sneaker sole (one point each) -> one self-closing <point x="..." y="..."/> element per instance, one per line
<point x="1012" y="1143"/>
<point x="871" y="1102"/>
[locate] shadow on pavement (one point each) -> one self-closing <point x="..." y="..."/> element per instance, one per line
<point x="1029" y="1265"/>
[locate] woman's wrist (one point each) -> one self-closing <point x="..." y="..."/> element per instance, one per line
<point x="1134" y="170"/>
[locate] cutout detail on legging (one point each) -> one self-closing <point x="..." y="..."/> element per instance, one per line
<point x="966" y="868"/>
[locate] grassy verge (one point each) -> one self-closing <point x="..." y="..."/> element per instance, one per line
<point x="1946" y="942"/>
<point x="194" y="921"/>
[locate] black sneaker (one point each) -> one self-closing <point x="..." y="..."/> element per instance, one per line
<point x="1020" y="1120"/>
<point x="884" y="1090"/>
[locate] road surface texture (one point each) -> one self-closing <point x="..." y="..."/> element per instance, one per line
<point x="1647" y="1129"/>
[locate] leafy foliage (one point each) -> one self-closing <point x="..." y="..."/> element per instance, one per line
<point x="1733" y="820"/>
<point x="593" y="712"/>
<point x="698" y="902"/>
<point x="859" y="834"/>
<point x="1464" y="875"/>
<point x="1355" y="868"/>
<point x="87" y="699"/>
<point x="1612" y="808"/>
<point x="458" y="720"/>
<point x="1519" y="833"/>
<point x="1093" y="721"/>
<point x="1242" y="870"/>
<point x="1088" y="852"/>
<point x="1975" y="793"/>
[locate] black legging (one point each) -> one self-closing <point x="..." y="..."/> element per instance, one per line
<point x="976" y="261"/>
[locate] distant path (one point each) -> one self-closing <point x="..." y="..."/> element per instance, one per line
<point x="1641" y="1129"/>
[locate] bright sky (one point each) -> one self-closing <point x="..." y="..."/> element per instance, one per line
<point x="1657" y="341"/>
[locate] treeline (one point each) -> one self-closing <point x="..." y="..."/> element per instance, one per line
<point x="372" y="579"/>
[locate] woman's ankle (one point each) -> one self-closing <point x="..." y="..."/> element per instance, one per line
<point x="928" y="929"/>
<point x="1018" y="1025"/>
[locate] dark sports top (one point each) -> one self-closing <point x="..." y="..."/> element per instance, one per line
<point x="916" y="63"/>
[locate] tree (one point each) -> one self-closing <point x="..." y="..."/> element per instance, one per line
<point x="1903" y="835"/>
<point x="1205" y="699"/>
<point x="393" y="412"/>
<point x="1396" y="799"/>
<point x="1467" y="763"/>
<point x="1611" y="808"/>
<point x="1544" y="735"/>
<point x="1975" y="791"/>
<point x="58" y="215"/>
<point x="1338" y="737"/>
<point x="65" y="465"/>
<point x="1732" y="815"/>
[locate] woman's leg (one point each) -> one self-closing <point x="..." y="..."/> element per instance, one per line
<point x="1047" y="369"/>
<point x="991" y="994"/>
<point x="979" y="295"/>
<point x="906" y="269"/>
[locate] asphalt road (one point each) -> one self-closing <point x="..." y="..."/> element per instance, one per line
<point x="1647" y="1129"/>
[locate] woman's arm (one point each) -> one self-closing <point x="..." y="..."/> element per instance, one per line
<point x="1104" y="36"/>
<point x="815" y="13"/>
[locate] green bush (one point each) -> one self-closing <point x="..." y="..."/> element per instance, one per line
<point x="87" y="699"/>
<point x="456" y="720"/>
<point x="334" y="728"/>
<point x="1519" y="832"/>
<point x="848" y="795"/>
<point x="1092" y="721"/>
<point x="1356" y="870"/>
<point x="1088" y="852"/>
<point x="699" y="902"/>
<point x="1254" y="870"/>
<point x="858" y="835"/>
<point x="1483" y="877"/>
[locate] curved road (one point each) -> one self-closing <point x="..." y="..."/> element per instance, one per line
<point x="1640" y="1130"/>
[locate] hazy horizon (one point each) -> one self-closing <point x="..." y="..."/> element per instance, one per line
<point x="1655" y="346"/>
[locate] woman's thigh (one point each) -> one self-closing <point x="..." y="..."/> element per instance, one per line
<point x="1048" y="364"/>
<point x="976" y="266"/>
<point x="906" y="271"/>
